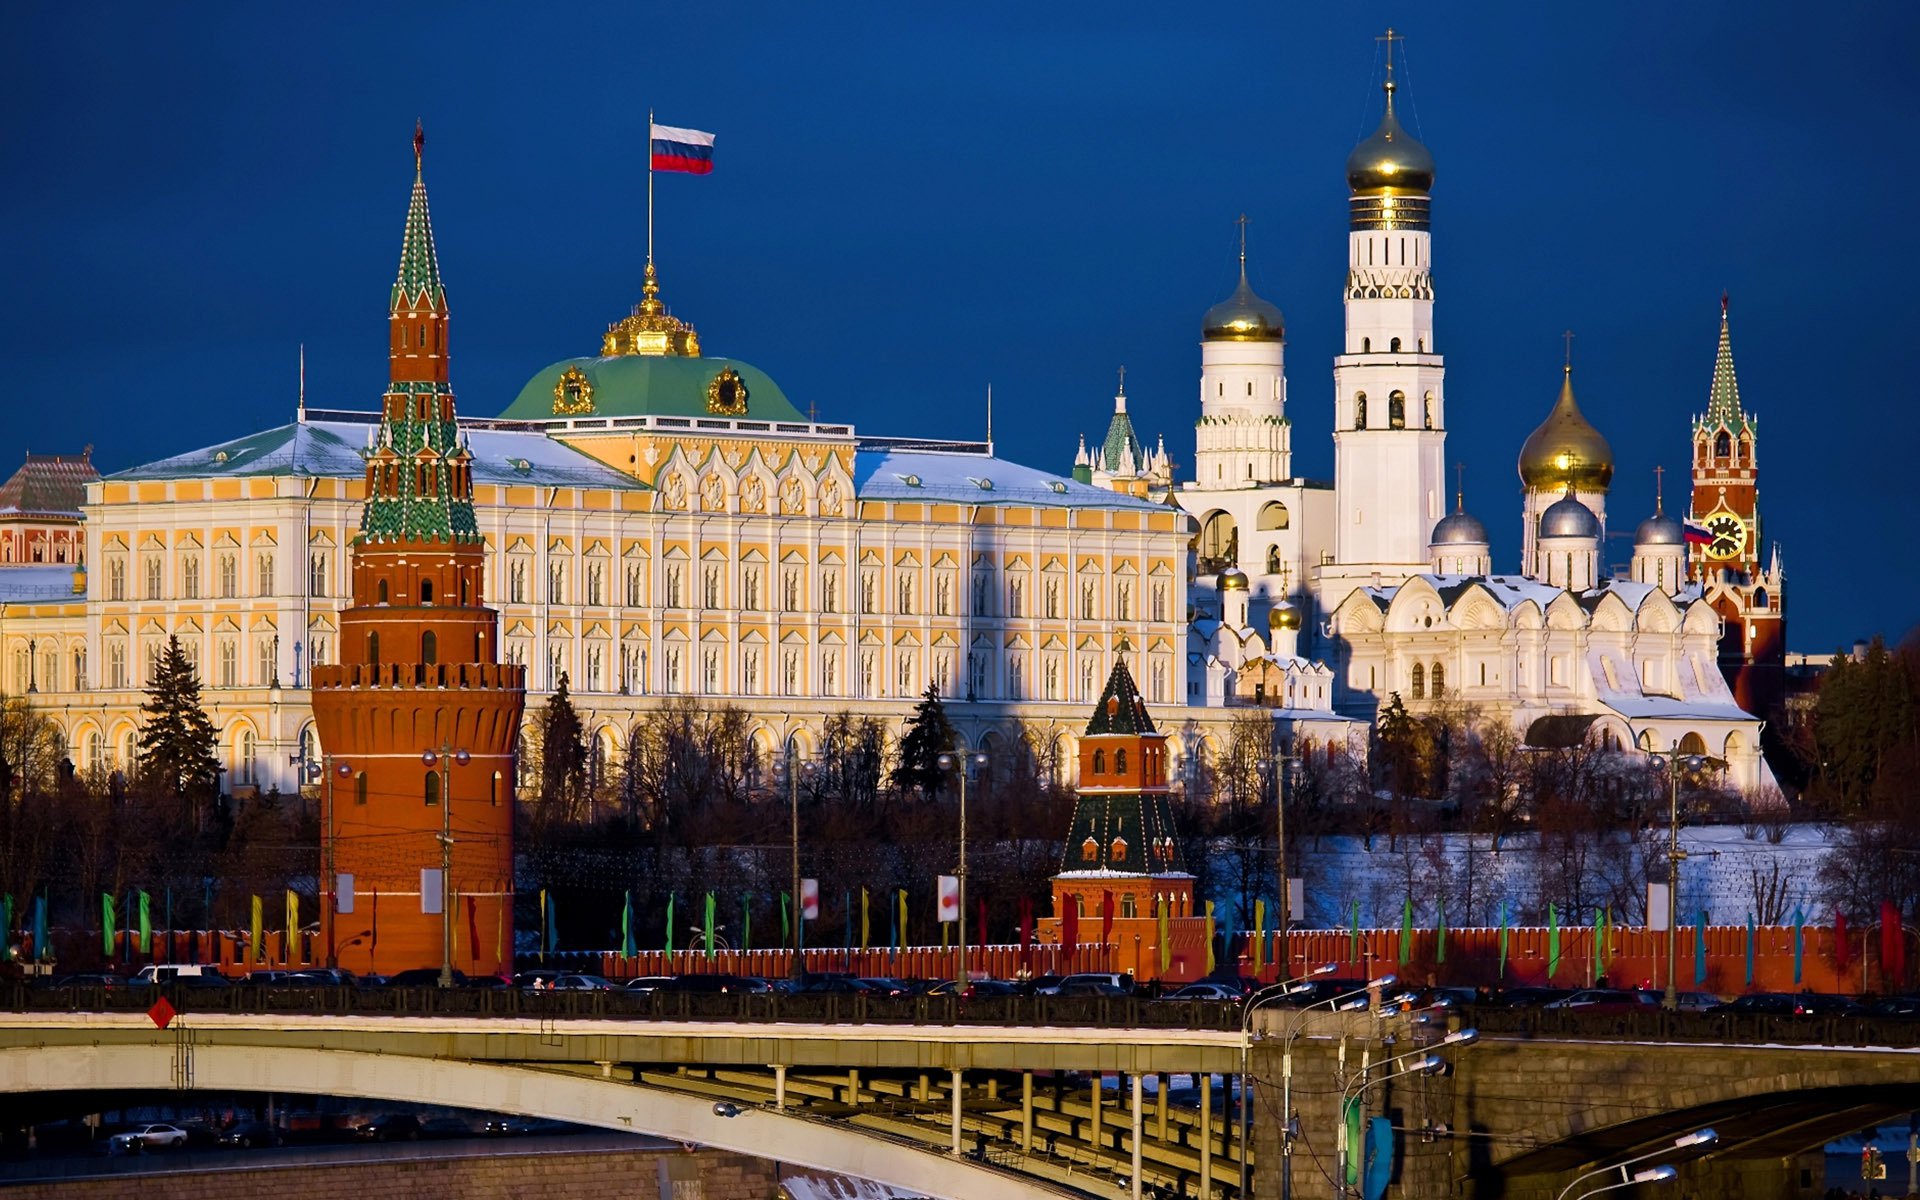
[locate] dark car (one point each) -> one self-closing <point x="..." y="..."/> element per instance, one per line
<point x="1819" y="1004"/>
<point x="838" y="985"/>
<point x="1606" y="1000"/>
<point x="1320" y="991"/>
<point x="248" y="1134"/>
<point x="1772" y="1004"/>
<point x="975" y="988"/>
<point x="446" y="1127"/>
<point x="712" y="984"/>
<point x="423" y="977"/>
<point x="1528" y="997"/>
<point x="1090" y="987"/>
<point x="326" y="977"/>
<point x="643" y="984"/>
<point x="881" y="986"/>
<point x="1895" y="1006"/>
<point x="393" y="1127"/>
<point x="527" y="1126"/>
<point x="90" y="979"/>
<point x="1206" y="989"/>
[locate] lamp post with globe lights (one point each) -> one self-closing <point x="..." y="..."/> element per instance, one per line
<point x="793" y="766"/>
<point x="445" y="758"/>
<point x="959" y="763"/>
<point x="1674" y="761"/>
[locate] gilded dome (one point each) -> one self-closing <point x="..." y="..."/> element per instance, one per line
<point x="1233" y="579"/>
<point x="1567" y="517"/>
<point x="1391" y="159"/>
<point x="1566" y="449"/>
<point x="1284" y="615"/>
<point x="1243" y="317"/>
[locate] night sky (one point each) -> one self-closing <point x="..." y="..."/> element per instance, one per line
<point x="911" y="202"/>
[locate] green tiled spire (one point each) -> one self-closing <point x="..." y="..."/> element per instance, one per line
<point x="419" y="480"/>
<point x="1723" y="399"/>
<point x="1120" y="710"/>
<point x="1121" y="439"/>
<point x="418" y="284"/>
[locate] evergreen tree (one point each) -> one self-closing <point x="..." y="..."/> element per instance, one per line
<point x="563" y="757"/>
<point x="177" y="738"/>
<point x="928" y="735"/>
<point x="1405" y="750"/>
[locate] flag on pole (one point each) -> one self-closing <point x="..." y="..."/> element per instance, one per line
<point x="256" y="929"/>
<point x="1553" y="941"/>
<point x="1406" y="930"/>
<point x="893" y="927"/>
<point x="41" y="951"/>
<point x="809" y="900"/>
<point x="106" y="922"/>
<point x="1503" y="941"/>
<point x="1893" y="944"/>
<point x="543" y="922"/>
<point x="1210" y="961"/>
<point x="1166" y="935"/>
<point x="1700" y="951"/>
<point x="709" y="926"/>
<point x="669" y="941"/>
<point x="786" y="922"/>
<point x="473" y="928"/>
<point x="1259" y="935"/>
<point x="626" y="927"/>
<point x="1026" y="933"/>
<point x="1799" y="943"/>
<point x="947" y="899"/>
<point x="1440" y="932"/>
<point x="1600" y="931"/>
<point x="1751" y="931"/>
<point x="1696" y="534"/>
<point x="903" y="918"/>
<point x="675" y="149"/>
<point x="746" y="920"/>
<point x="146" y="924"/>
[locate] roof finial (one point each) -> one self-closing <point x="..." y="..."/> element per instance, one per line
<point x="302" y="416"/>
<point x="419" y="143"/>
<point x="1460" y="487"/>
<point x="1390" y="37"/>
<point x="1723" y="304"/>
<point x="1659" y="486"/>
<point x="989" y="418"/>
<point x="1123" y="379"/>
<point x="1241" y="221"/>
<point x="1568" y="337"/>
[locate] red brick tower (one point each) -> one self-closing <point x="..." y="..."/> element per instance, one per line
<point x="1745" y="584"/>
<point x="418" y="675"/>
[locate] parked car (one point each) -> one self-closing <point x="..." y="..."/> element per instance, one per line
<point x="648" y="983"/>
<point x="1044" y="985"/>
<point x="393" y="1127"/>
<point x="716" y="983"/>
<point x="1697" y="1002"/>
<point x="882" y="986"/>
<point x="149" y="1137"/>
<point x="1606" y="1000"/>
<point x="581" y="983"/>
<point x="1206" y="989"/>
<point x="423" y="977"/>
<point x="168" y="972"/>
<point x="1528" y="997"/>
<point x="446" y="1127"/>
<point x="247" y="1134"/>
<point x="1819" y="1004"/>
<point x="1773" y="1004"/>
<point x="1071" y="987"/>
<point x="975" y="987"/>
<point x="842" y="985"/>
<point x="1895" y="1006"/>
<point x="327" y="977"/>
<point x="544" y="976"/>
<point x="89" y="979"/>
<point x="1120" y="983"/>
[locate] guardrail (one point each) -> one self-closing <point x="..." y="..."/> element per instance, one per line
<point x="1659" y="1025"/>
<point x="751" y="1007"/>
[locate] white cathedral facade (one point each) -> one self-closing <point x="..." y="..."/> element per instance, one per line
<point x="1326" y="599"/>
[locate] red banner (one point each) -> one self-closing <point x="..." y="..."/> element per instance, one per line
<point x="1069" y="926"/>
<point x="1106" y="918"/>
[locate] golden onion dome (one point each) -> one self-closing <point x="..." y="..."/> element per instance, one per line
<point x="1233" y="579"/>
<point x="1244" y="317"/>
<point x="1284" y="615"/>
<point x="1392" y="159"/>
<point x="1566" y="448"/>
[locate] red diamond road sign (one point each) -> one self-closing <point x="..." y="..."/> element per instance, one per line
<point x="162" y="1012"/>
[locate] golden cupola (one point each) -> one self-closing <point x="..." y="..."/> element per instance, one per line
<point x="1566" y="449"/>
<point x="1390" y="174"/>
<point x="650" y="329"/>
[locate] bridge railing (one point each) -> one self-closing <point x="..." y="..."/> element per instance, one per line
<point x="750" y="1007"/>
<point x="1659" y="1025"/>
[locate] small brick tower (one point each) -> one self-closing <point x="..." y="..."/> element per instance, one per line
<point x="1122" y="844"/>
<point x="418" y="673"/>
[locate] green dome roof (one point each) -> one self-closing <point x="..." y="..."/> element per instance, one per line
<point x="649" y="386"/>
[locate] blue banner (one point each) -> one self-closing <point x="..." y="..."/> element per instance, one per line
<point x="1379" y="1158"/>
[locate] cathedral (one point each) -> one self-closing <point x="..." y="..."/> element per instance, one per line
<point x="1325" y="599"/>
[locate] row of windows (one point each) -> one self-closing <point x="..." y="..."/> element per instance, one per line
<point x="1396" y="410"/>
<point x="42" y="546"/>
<point x="226" y="580"/>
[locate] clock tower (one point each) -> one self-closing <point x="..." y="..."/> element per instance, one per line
<point x="1742" y="579"/>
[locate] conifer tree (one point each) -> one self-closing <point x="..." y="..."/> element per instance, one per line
<point x="177" y="738"/>
<point x="563" y="757"/>
<point x="928" y="735"/>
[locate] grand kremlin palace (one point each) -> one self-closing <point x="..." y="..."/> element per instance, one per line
<point x="659" y="523"/>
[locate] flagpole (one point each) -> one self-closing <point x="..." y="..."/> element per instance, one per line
<point x="649" y="187"/>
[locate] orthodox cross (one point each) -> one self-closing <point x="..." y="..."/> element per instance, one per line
<point x="1241" y="221"/>
<point x="1390" y="37"/>
<point x="1460" y="486"/>
<point x="1568" y="338"/>
<point x="1658" y="482"/>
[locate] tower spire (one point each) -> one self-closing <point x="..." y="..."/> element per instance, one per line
<point x="1723" y="398"/>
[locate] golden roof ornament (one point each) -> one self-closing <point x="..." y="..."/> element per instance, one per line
<point x="572" y="393"/>
<point x="650" y="329"/>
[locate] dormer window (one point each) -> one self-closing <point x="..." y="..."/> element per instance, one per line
<point x="1117" y="852"/>
<point x="1090" y="851"/>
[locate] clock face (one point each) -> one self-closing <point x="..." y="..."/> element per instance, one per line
<point x="1729" y="535"/>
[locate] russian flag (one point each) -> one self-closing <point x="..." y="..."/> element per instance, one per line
<point x="686" y="150"/>
<point x="1697" y="535"/>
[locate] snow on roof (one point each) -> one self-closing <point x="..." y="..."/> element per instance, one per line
<point x="890" y="474"/>
<point x="50" y="582"/>
<point x="331" y="449"/>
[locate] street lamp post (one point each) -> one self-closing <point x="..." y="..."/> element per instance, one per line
<point x="1276" y="769"/>
<point x="1674" y="760"/>
<point x="794" y="766"/>
<point x="445" y="758"/>
<point x="959" y="762"/>
<point x="1425" y="1062"/>
<point x="1699" y="1137"/>
<point x="1273" y="991"/>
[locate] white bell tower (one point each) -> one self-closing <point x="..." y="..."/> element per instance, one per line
<point x="1390" y="398"/>
<point x="1242" y="438"/>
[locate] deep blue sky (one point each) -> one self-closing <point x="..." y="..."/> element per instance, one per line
<point x="911" y="202"/>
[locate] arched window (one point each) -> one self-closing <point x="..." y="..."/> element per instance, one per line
<point x="1099" y="762"/>
<point x="1419" y="682"/>
<point x="1129" y="906"/>
<point x="373" y="648"/>
<point x="433" y="787"/>
<point x="429" y="648"/>
<point x="1273" y="515"/>
<point x="1120" y="762"/>
<point x="1426" y="415"/>
<point x="1366" y="345"/>
<point x="1090" y="851"/>
<point x="1118" y="851"/>
<point x="1359" y="410"/>
<point x="1273" y="560"/>
<point x="1439" y="680"/>
<point x="1693" y="743"/>
<point x="1394" y="345"/>
<point x="1396" y="409"/>
<point x="426" y="591"/>
<point x="380" y="592"/>
<point x="1722" y="445"/>
<point x="359" y="787"/>
<point x="1760" y="597"/>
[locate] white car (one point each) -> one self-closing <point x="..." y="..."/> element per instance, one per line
<point x="150" y="1137"/>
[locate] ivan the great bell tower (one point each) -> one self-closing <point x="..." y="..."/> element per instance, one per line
<point x="418" y="718"/>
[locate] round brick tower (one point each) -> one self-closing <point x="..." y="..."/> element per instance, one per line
<point x="418" y="676"/>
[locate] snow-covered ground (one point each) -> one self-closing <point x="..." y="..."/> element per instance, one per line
<point x="1727" y="872"/>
